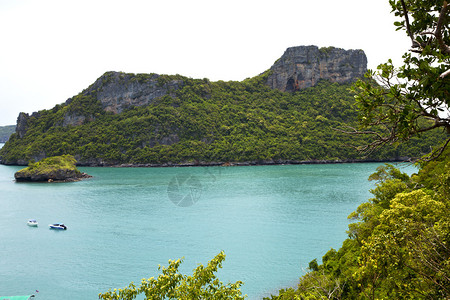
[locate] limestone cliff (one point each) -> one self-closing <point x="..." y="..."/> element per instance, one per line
<point x="118" y="91"/>
<point x="22" y="124"/>
<point x="303" y="66"/>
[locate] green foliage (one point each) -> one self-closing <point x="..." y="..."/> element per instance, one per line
<point x="388" y="171"/>
<point x="203" y="284"/>
<point x="64" y="161"/>
<point x="409" y="97"/>
<point x="5" y="132"/>
<point x="50" y="164"/>
<point x="205" y="122"/>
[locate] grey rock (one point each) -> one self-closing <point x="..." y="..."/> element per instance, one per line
<point x="54" y="175"/>
<point x="304" y="66"/>
<point x="73" y="119"/>
<point x="22" y="124"/>
<point x="117" y="91"/>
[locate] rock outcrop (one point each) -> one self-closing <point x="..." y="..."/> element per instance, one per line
<point x="117" y="91"/>
<point x="52" y="176"/>
<point x="304" y="66"/>
<point x="51" y="169"/>
<point x="73" y="119"/>
<point x="22" y="124"/>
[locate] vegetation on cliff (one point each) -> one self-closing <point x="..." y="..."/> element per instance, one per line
<point x="5" y="132"/>
<point x="56" y="168"/>
<point x="201" y="122"/>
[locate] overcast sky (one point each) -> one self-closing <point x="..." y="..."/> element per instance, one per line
<point x="53" y="49"/>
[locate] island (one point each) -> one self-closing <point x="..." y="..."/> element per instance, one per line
<point x="5" y="132"/>
<point x="298" y="111"/>
<point x="51" y="169"/>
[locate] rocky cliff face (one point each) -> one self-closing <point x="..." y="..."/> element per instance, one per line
<point x="303" y="66"/>
<point x="22" y="124"/>
<point x="117" y="91"/>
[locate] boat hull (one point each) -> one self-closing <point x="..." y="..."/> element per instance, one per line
<point x="32" y="223"/>
<point x="58" y="226"/>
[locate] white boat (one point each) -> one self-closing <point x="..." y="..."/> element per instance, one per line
<point x="32" y="223"/>
<point x="58" y="226"/>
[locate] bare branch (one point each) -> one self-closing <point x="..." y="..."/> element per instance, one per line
<point x="436" y="125"/>
<point x="445" y="73"/>
<point x="415" y="51"/>
<point x="439" y="151"/>
<point x="357" y="132"/>
<point x="440" y="24"/>
<point x="415" y="44"/>
<point x="379" y="142"/>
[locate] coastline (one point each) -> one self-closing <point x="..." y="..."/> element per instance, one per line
<point x="246" y="163"/>
<point x="100" y="163"/>
<point x="227" y="164"/>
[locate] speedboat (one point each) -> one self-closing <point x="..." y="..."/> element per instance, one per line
<point x="58" y="226"/>
<point x="32" y="223"/>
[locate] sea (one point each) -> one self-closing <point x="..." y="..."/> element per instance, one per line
<point x="122" y="223"/>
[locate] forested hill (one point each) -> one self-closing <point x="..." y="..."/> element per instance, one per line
<point x="5" y="132"/>
<point x="289" y="113"/>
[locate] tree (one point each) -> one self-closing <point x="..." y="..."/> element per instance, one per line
<point x="406" y="255"/>
<point x="203" y="284"/>
<point x="398" y="103"/>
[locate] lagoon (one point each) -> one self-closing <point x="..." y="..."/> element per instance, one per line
<point x="271" y="221"/>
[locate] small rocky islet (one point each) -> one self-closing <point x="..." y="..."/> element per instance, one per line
<point x="51" y="169"/>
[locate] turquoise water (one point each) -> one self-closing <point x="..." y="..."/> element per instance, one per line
<point x="122" y="223"/>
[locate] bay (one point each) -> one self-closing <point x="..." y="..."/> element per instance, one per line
<point x="271" y="221"/>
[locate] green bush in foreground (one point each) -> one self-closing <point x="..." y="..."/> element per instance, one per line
<point x="203" y="284"/>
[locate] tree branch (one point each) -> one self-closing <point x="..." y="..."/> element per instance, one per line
<point x="415" y="44"/>
<point x="440" y="24"/>
<point x="376" y="144"/>
<point x="439" y="151"/>
<point x="445" y="73"/>
<point x="437" y="124"/>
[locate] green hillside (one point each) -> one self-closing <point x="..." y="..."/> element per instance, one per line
<point x="203" y="122"/>
<point x="5" y="132"/>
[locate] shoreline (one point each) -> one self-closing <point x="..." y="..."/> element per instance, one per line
<point x="101" y="163"/>
<point x="228" y="164"/>
<point x="246" y="163"/>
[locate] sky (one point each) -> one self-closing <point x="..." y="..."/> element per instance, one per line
<point x="50" y="50"/>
